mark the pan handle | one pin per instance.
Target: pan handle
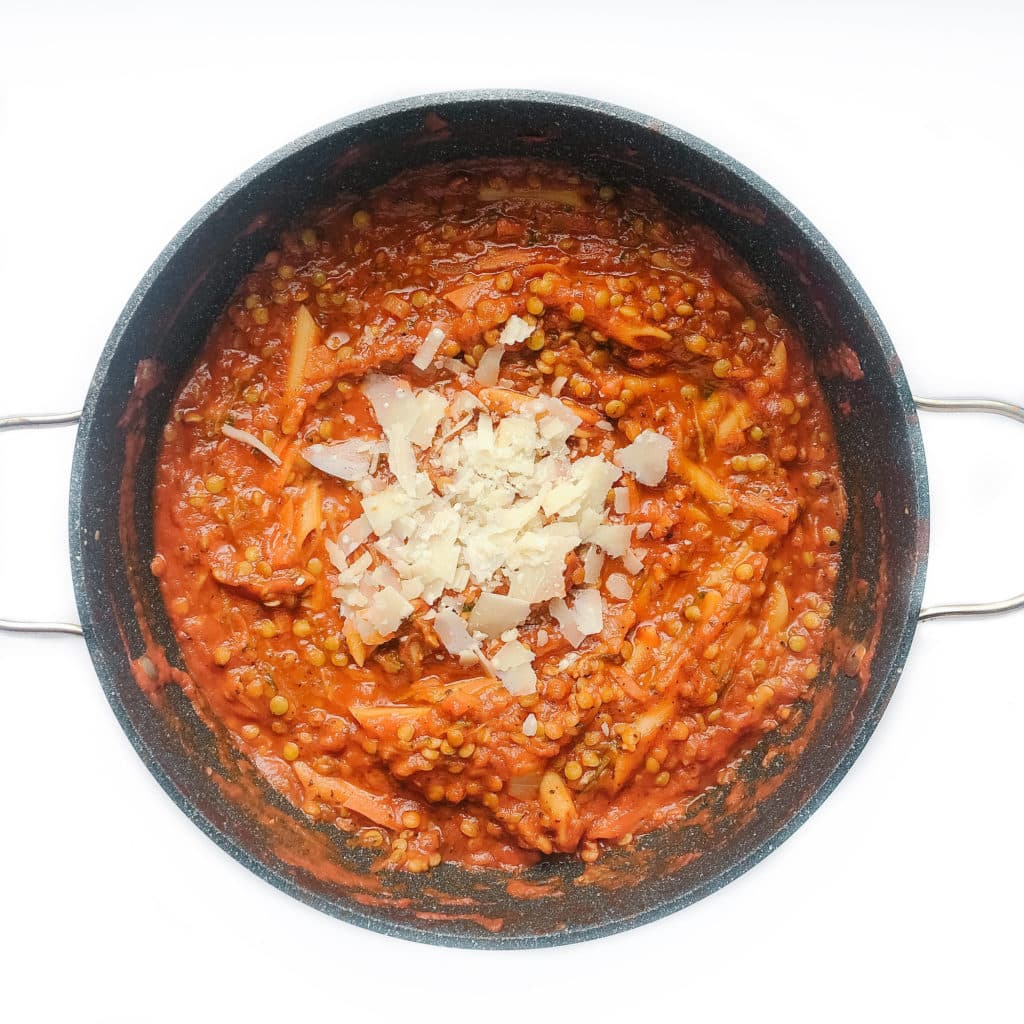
(1010, 411)
(57, 419)
(987, 405)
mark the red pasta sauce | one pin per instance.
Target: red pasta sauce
(647, 341)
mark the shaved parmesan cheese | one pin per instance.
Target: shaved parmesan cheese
(452, 632)
(251, 440)
(632, 562)
(357, 532)
(402, 461)
(642, 530)
(387, 611)
(464, 402)
(621, 495)
(402, 412)
(613, 538)
(428, 348)
(346, 460)
(538, 567)
(516, 329)
(454, 366)
(519, 679)
(489, 365)
(646, 458)
(493, 614)
(530, 725)
(561, 613)
(510, 655)
(514, 665)
(588, 612)
(494, 503)
(593, 562)
(618, 586)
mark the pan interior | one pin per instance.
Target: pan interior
(159, 335)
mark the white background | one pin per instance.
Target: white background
(897, 128)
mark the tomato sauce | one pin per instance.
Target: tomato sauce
(637, 321)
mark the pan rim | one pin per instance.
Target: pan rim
(91, 607)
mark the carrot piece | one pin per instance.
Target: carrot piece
(381, 719)
(396, 306)
(504, 258)
(465, 297)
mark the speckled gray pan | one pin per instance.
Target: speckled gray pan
(789, 773)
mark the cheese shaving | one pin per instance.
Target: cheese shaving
(252, 441)
(466, 500)
(516, 329)
(428, 348)
(646, 458)
(347, 460)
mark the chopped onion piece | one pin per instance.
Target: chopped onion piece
(530, 725)
(252, 441)
(428, 348)
(618, 586)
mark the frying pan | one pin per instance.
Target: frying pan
(786, 776)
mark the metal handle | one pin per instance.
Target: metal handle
(1010, 411)
(1007, 409)
(26, 422)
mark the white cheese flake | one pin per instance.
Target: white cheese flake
(632, 562)
(562, 614)
(452, 632)
(496, 504)
(428, 348)
(593, 562)
(516, 329)
(489, 366)
(589, 612)
(646, 458)
(347, 460)
(493, 614)
(514, 665)
(252, 441)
